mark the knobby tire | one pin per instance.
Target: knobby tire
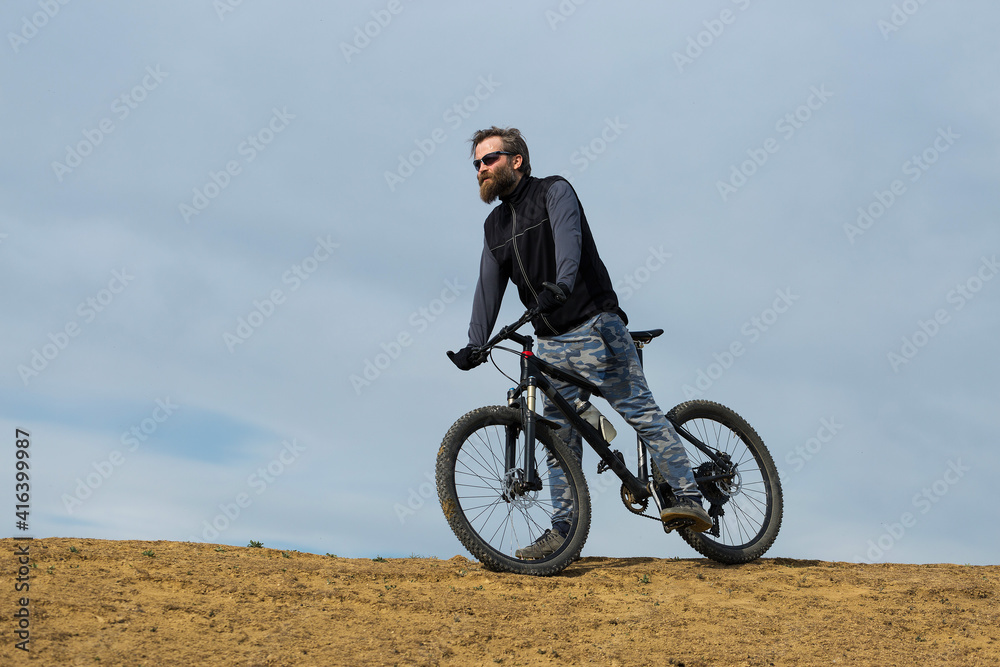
(471, 485)
(754, 505)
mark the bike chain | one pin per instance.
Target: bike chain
(639, 508)
(636, 508)
(644, 505)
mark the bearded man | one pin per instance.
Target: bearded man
(539, 233)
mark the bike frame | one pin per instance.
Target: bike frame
(534, 377)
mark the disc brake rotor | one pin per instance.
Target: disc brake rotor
(720, 490)
(512, 482)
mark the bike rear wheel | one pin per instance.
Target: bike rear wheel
(746, 501)
(492, 516)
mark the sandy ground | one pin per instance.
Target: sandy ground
(96, 602)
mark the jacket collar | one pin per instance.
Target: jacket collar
(518, 193)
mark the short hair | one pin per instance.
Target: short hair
(510, 139)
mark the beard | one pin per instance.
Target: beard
(496, 184)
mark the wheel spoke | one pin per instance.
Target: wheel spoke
(496, 517)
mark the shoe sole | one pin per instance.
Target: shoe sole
(698, 524)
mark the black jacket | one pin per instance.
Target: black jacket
(529, 243)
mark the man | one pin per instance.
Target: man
(539, 233)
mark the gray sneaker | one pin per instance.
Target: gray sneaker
(690, 509)
(546, 545)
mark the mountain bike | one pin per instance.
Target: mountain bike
(496, 465)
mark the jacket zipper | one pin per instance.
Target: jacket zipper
(517, 255)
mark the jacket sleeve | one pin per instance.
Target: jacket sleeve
(564, 216)
(487, 299)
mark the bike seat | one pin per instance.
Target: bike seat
(645, 336)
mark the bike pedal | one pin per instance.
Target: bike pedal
(677, 524)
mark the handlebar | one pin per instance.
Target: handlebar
(479, 354)
(510, 331)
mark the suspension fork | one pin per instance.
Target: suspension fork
(528, 480)
(531, 481)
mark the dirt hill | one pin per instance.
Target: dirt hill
(97, 602)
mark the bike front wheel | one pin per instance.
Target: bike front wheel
(489, 508)
(743, 496)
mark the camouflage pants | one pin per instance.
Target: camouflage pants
(601, 351)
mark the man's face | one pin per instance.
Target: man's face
(499, 178)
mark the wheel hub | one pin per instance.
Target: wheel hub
(722, 484)
(513, 483)
(516, 489)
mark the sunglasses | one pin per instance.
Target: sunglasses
(489, 159)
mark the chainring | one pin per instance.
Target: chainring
(631, 504)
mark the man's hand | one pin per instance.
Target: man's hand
(550, 299)
(467, 358)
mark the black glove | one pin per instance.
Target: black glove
(467, 358)
(548, 300)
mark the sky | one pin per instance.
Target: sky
(237, 239)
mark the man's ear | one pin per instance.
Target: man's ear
(516, 162)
